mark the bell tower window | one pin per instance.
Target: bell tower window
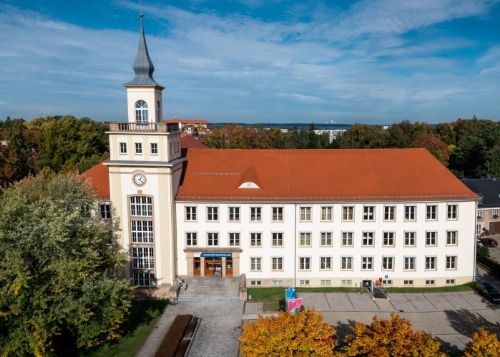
(158, 110)
(141, 112)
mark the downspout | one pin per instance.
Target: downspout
(295, 248)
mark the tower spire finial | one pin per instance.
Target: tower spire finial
(143, 66)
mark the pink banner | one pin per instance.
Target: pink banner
(294, 305)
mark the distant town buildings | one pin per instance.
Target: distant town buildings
(488, 213)
(190, 126)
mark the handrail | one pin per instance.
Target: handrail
(144, 127)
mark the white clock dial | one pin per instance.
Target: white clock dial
(139, 179)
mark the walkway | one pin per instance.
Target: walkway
(216, 301)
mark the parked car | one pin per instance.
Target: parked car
(489, 242)
(489, 291)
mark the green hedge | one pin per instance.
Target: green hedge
(490, 264)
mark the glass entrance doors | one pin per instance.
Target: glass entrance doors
(213, 267)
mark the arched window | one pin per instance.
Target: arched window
(141, 112)
(158, 110)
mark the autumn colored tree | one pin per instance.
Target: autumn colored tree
(392, 337)
(483, 344)
(436, 146)
(302, 334)
(361, 136)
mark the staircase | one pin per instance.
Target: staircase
(210, 289)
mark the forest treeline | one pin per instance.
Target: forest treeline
(469, 147)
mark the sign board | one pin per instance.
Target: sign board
(216, 255)
(290, 294)
(386, 276)
(294, 305)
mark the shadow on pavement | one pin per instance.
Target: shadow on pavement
(466, 322)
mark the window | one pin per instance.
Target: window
(387, 263)
(277, 239)
(480, 213)
(255, 239)
(144, 279)
(410, 239)
(305, 213)
(234, 214)
(430, 239)
(143, 258)
(494, 213)
(190, 213)
(452, 212)
(325, 263)
(304, 282)
(212, 239)
(431, 212)
(123, 148)
(141, 206)
(142, 231)
(325, 282)
(212, 214)
(408, 282)
(305, 239)
(326, 239)
(478, 229)
(451, 262)
(138, 148)
(430, 263)
(410, 213)
(367, 263)
(326, 213)
(450, 281)
(368, 239)
(304, 263)
(347, 239)
(387, 282)
(348, 213)
(191, 239)
(255, 214)
(346, 263)
(388, 239)
(255, 264)
(389, 213)
(255, 283)
(451, 237)
(234, 239)
(277, 282)
(277, 214)
(409, 263)
(154, 148)
(346, 282)
(141, 112)
(368, 213)
(277, 264)
(430, 282)
(105, 208)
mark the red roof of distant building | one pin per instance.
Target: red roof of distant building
(98, 179)
(186, 121)
(188, 142)
(319, 175)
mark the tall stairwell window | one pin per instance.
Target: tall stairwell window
(141, 112)
(142, 240)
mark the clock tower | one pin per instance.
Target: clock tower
(145, 168)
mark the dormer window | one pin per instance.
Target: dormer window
(141, 112)
(249, 184)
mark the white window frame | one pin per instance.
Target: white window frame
(429, 237)
(451, 238)
(388, 263)
(153, 147)
(410, 213)
(368, 236)
(452, 213)
(390, 213)
(367, 263)
(212, 214)
(307, 236)
(305, 214)
(409, 263)
(431, 212)
(348, 213)
(234, 239)
(255, 214)
(430, 263)
(347, 237)
(451, 262)
(304, 263)
(191, 239)
(190, 213)
(277, 263)
(325, 263)
(255, 264)
(212, 238)
(410, 235)
(326, 213)
(326, 239)
(277, 214)
(123, 148)
(368, 213)
(138, 148)
(393, 238)
(346, 263)
(277, 237)
(256, 240)
(233, 214)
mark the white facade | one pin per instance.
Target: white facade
(460, 246)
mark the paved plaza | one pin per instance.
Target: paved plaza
(451, 317)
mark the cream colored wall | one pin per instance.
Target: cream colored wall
(130, 138)
(150, 95)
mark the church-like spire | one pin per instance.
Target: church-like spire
(143, 66)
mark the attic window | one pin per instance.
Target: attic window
(249, 184)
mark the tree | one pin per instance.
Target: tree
(483, 344)
(436, 146)
(393, 337)
(302, 334)
(361, 136)
(58, 264)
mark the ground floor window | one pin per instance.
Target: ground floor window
(430, 282)
(450, 281)
(277, 282)
(255, 283)
(325, 282)
(408, 282)
(346, 282)
(304, 282)
(144, 279)
(387, 282)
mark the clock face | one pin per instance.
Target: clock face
(139, 179)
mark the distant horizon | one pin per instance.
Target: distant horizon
(256, 61)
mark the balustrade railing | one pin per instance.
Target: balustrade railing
(144, 127)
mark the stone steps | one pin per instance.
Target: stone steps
(210, 289)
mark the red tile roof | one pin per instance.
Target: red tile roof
(318, 175)
(98, 179)
(188, 141)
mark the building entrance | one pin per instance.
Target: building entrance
(213, 267)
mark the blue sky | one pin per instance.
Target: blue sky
(256, 60)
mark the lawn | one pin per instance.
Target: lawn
(143, 317)
(271, 297)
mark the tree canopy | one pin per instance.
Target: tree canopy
(58, 263)
(302, 334)
(484, 344)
